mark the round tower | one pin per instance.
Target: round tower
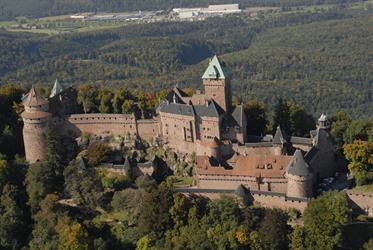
(35, 118)
(299, 177)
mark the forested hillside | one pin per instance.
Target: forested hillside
(322, 60)
(38, 8)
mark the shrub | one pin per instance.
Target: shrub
(98, 152)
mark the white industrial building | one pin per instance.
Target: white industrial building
(223, 8)
(211, 10)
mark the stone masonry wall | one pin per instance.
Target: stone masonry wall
(103, 124)
(148, 128)
(216, 89)
(179, 131)
(265, 200)
(278, 185)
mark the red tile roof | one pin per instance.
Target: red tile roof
(32, 98)
(271, 166)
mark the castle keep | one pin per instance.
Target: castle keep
(205, 123)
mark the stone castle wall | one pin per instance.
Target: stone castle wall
(104, 124)
(270, 150)
(277, 201)
(148, 129)
(179, 131)
(232, 182)
(265, 199)
(107, 124)
(209, 128)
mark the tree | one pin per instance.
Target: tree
(358, 130)
(281, 117)
(292, 118)
(4, 170)
(120, 96)
(83, 185)
(146, 182)
(223, 216)
(71, 235)
(55, 155)
(97, 152)
(339, 124)
(10, 123)
(12, 219)
(324, 219)
(179, 210)
(87, 97)
(44, 235)
(300, 121)
(256, 117)
(297, 238)
(273, 230)
(127, 106)
(155, 217)
(360, 156)
(104, 98)
(144, 243)
(40, 181)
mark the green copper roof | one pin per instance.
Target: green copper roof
(215, 70)
(57, 88)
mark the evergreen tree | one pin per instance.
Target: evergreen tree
(13, 228)
(256, 118)
(281, 117)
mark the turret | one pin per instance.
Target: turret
(279, 141)
(299, 177)
(323, 122)
(216, 80)
(56, 90)
(35, 118)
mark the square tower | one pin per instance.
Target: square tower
(216, 81)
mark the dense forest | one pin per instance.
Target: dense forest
(10, 9)
(321, 60)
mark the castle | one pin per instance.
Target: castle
(205, 123)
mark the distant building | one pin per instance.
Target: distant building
(220, 9)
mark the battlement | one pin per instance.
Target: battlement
(101, 118)
(262, 198)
